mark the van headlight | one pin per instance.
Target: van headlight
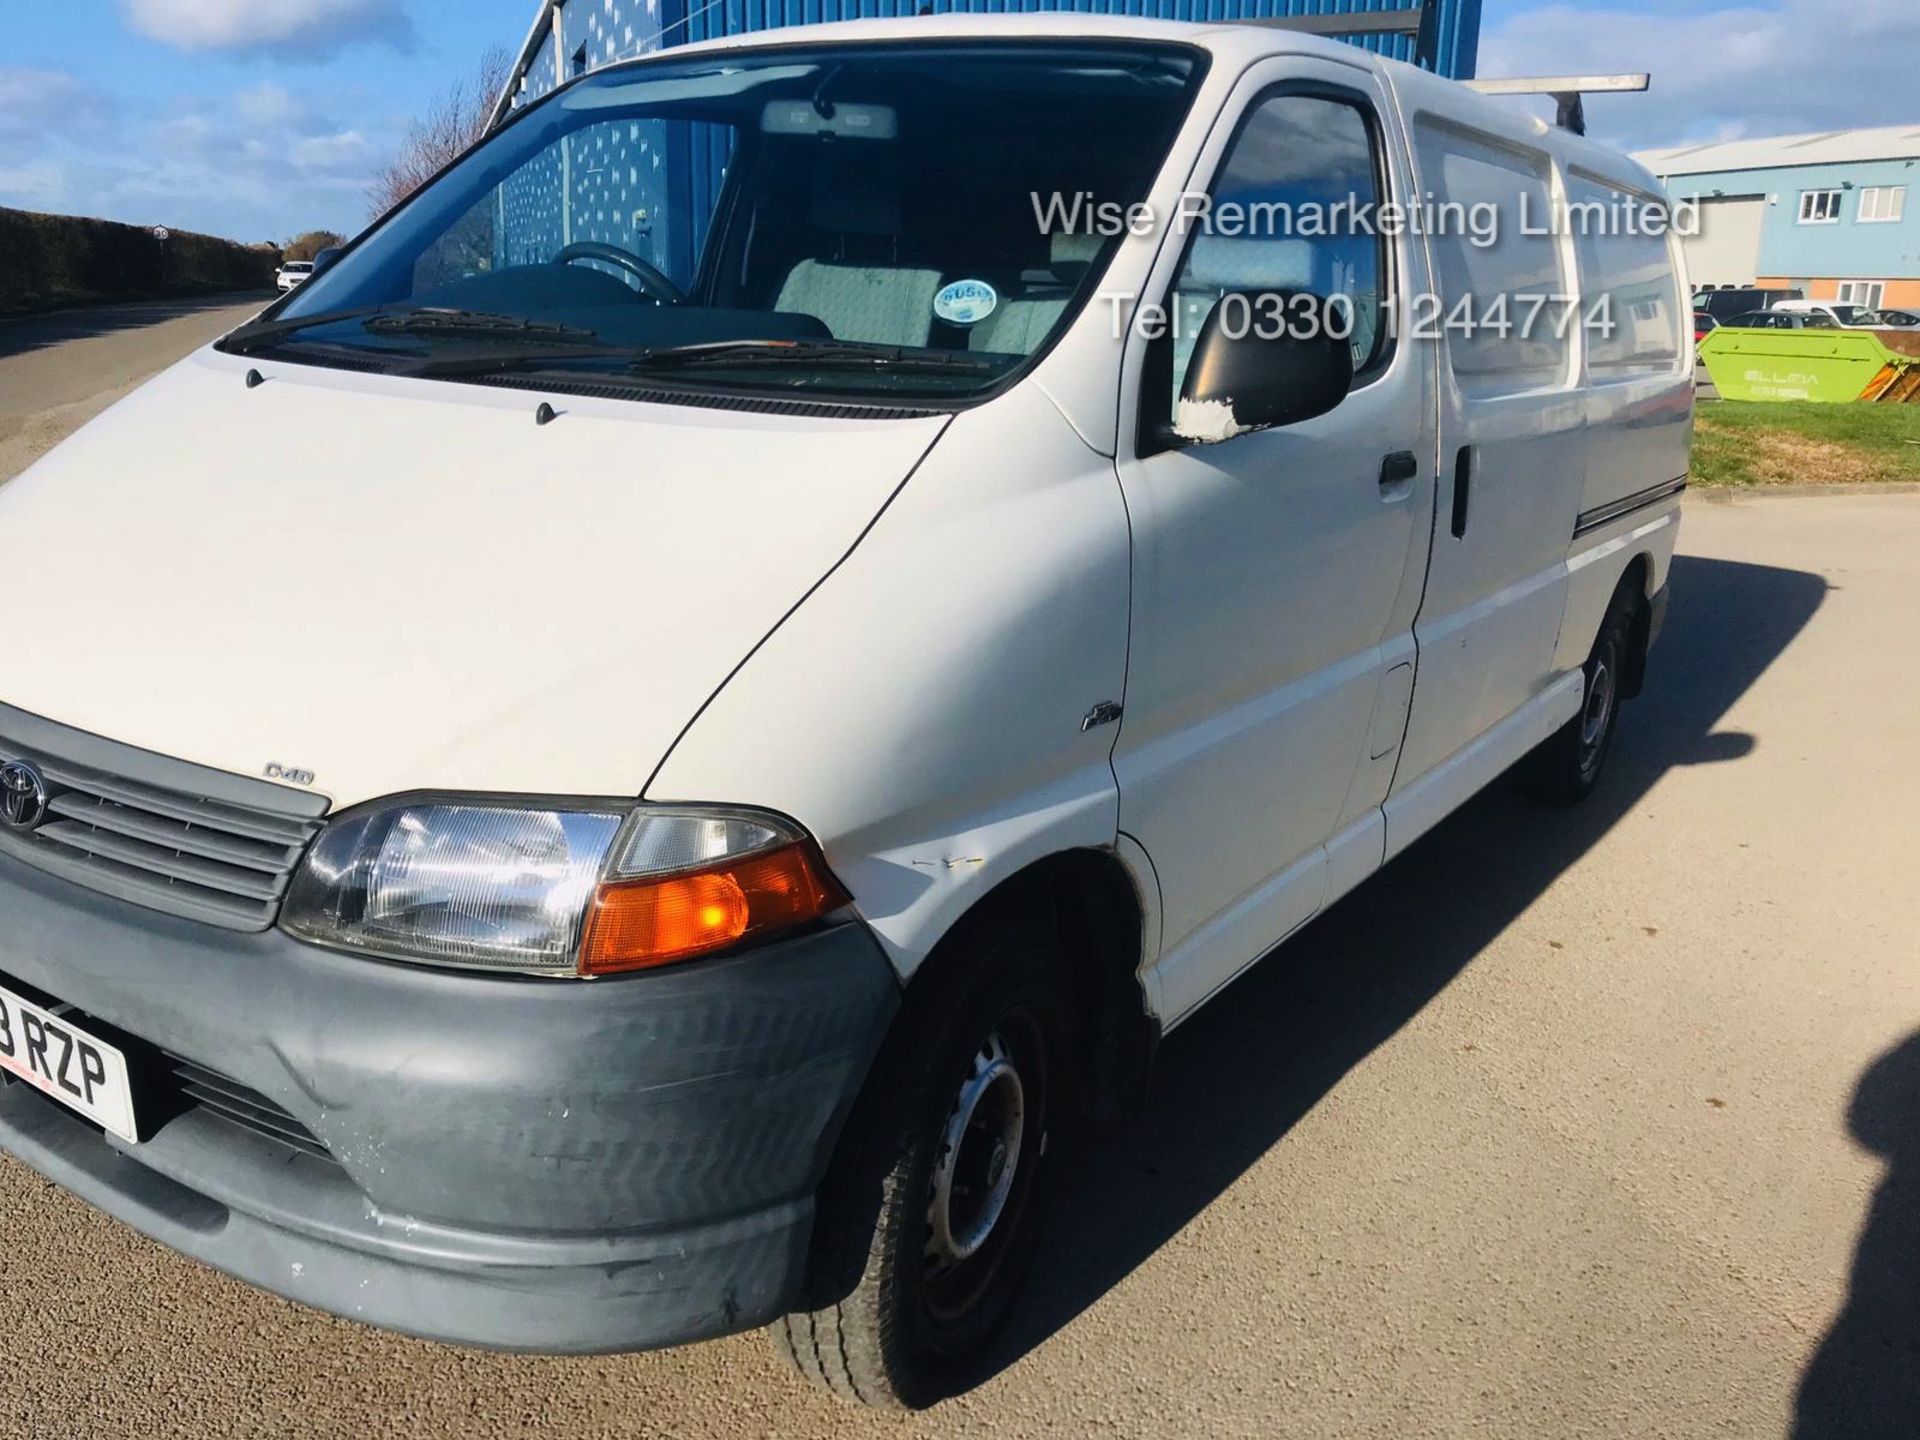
(573, 890)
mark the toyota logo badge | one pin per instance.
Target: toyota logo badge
(23, 796)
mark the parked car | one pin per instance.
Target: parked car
(1889, 320)
(725, 738)
(1783, 320)
(1703, 325)
(1847, 317)
(292, 273)
(1723, 304)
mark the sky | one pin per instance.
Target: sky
(259, 119)
(252, 119)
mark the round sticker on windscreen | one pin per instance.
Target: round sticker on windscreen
(965, 302)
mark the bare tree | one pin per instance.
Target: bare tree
(455, 120)
(305, 247)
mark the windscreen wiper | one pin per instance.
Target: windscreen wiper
(838, 353)
(260, 333)
(440, 320)
(420, 320)
(718, 354)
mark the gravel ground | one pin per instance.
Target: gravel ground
(1598, 1122)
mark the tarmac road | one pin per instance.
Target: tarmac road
(57, 371)
(1600, 1122)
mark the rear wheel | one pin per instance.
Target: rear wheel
(926, 1230)
(1565, 769)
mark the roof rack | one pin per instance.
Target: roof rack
(1420, 20)
(1568, 92)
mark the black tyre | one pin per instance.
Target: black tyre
(928, 1223)
(1564, 770)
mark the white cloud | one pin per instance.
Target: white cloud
(24, 91)
(293, 28)
(192, 133)
(266, 104)
(1749, 69)
(31, 187)
(348, 153)
(264, 161)
(32, 102)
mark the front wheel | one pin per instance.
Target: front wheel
(925, 1232)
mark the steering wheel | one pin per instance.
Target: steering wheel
(653, 281)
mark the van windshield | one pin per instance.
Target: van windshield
(855, 219)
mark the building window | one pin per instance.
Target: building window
(1882, 204)
(1867, 294)
(1819, 207)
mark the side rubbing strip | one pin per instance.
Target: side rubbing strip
(1626, 505)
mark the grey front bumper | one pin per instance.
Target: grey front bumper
(515, 1163)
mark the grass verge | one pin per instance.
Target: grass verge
(1739, 446)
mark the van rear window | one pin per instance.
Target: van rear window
(1631, 275)
(1490, 265)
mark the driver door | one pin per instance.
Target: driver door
(1276, 575)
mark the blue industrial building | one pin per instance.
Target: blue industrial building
(570, 37)
(1827, 214)
(622, 176)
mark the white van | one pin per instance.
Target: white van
(616, 768)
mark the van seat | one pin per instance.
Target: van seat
(883, 304)
(1019, 325)
(859, 290)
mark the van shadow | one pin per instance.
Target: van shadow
(22, 334)
(1232, 1081)
(1864, 1381)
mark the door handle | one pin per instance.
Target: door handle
(1398, 470)
(1462, 489)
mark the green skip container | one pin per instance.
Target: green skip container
(1825, 366)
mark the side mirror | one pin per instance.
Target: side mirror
(323, 258)
(1256, 365)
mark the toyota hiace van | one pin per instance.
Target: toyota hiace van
(621, 764)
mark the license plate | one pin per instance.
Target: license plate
(61, 1060)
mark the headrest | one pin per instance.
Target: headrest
(1074, 248)
(1069, 257)
(849, 204)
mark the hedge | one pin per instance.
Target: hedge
(52, 260)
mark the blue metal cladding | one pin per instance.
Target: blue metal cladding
(621, 178)
(597, 32)
(1454, 25)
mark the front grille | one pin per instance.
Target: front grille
(247, 1108)
(161, 833)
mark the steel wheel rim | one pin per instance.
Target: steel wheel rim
(979, 1157)
(1595, 718)
(982, 1183)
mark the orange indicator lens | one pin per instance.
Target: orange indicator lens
(637, 924)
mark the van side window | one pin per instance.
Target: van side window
(1294, 208)
(1636, 327)
(1505, 305)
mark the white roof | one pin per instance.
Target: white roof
(1830, 147)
